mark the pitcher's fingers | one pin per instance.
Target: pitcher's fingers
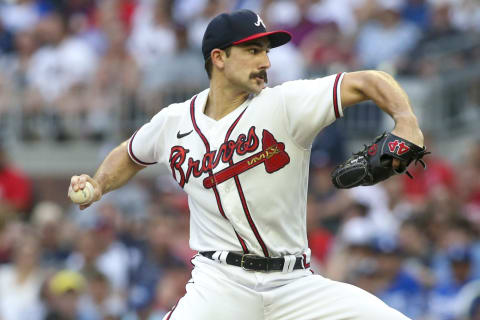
(97, 194)
(88, 178)
(74, 182)
(82, 180)
(396, 164)
(84, 206)
(399, 166)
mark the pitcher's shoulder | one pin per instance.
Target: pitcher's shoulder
(182, 109)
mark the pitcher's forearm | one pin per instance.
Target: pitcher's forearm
(392, 99)
(116, 169)
(379, 87)
(387, 94)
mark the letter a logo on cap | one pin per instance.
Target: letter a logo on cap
(260, 22)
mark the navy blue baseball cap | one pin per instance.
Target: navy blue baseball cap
(237, 27)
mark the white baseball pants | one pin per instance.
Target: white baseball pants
(223, 292)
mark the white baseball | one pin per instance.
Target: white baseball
(82, 196)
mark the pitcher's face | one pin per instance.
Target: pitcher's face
(247, 65)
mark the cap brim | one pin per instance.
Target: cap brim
(277, 38)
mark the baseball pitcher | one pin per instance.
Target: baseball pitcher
(241, 152)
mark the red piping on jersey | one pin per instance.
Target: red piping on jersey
(173, 309)
(131, 152)
(210, 173)
(335, 98)
(305, 264)
(242, 195)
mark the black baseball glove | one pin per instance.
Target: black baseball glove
(374, 163)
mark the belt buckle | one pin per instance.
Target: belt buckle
(253, 257)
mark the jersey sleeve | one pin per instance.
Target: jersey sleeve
(311, 105)
(144, 147)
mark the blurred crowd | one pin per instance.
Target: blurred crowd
(89, 69)
(82, 69)
(413, 243)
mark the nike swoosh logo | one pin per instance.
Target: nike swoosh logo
(181, 135)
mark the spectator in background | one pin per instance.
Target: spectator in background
(386, 206)
(474, 312)
(284, 14)
(198, 24)
(97, 249)
(48, 221)
(170, 289)
(170, 196)
(115, 84)
(286, 55)
(114, 260)
(173, 76)
(65, 289)
(100, 301)
(20, 281)
(280, 14)
(6, 240)
(17, 69)
(330, 203)
(73, 7)
(15, 187)
(339, 228)
(5, 96)
(455, 233)
(351, 254)
(347, 15)
(186, 10)
(443, 303)
(25, 47)
(435, 185)
(326, 48)
(397, 286)
(365, 275)
(108, 14)
(153, 34)
(82, 29)
(418, 12)
(468, 302)
(302, 24)
(387, 38)
(439, 36)
(320, 239)
(6, 40)
(6, 50)
(469, 184)
(466, 14)
(156, 257)
(85, 252)
(417, 249)
(20, 15)
(59, 72)
(326, 203)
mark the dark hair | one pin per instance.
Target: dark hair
(209, 64)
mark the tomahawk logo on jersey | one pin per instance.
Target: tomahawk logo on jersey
(234, 168)
(272, 155)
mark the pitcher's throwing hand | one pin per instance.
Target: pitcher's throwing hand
(83, 190)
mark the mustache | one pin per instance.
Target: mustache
(262, 74)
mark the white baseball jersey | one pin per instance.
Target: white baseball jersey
(246, 175)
